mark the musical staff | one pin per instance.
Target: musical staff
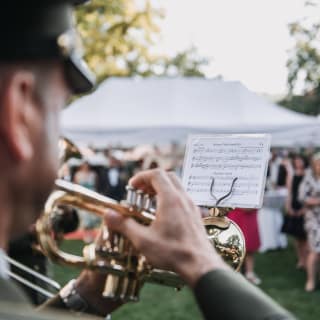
(224, 158)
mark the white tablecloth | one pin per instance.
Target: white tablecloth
(270, 219)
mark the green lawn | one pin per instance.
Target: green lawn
(277, 270)
(285, 284)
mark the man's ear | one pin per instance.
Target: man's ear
(17, 109)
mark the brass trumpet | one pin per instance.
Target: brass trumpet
(127, 270)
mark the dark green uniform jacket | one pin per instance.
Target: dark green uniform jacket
(226, 295)
(14, 305)
(221, 295)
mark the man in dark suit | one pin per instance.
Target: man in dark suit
(40, 67)
(111, 181)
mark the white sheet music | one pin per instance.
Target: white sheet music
(213, 163)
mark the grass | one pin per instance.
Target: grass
(284, 283)
(277, 270)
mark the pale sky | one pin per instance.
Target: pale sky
(247, 40)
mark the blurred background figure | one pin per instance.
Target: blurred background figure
(284, 171)
(294, 219)
(309, 194)
(87, 178)
(246, 219)
(270, 218)
(151, 162)
(273, 170)
(113, 178)
(65, 173)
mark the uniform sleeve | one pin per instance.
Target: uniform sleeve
(224, 294)
(56, 304)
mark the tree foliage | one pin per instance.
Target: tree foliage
(308, 103)
(304, 62)
(187, 63)
(119, 36)
(304, 65)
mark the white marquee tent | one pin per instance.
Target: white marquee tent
(131, 111)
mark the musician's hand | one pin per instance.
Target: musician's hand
(176, 240)
(90, 285)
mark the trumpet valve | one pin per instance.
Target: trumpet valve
(131, 196)
(139, 200)
(125, 288)
(147, 202)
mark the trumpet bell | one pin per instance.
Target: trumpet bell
(229, 243)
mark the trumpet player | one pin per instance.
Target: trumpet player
(40, 67)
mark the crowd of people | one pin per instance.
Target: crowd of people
(108, 171)
(294, 178)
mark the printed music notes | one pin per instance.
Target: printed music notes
(214, 165)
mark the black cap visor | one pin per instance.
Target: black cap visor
(78, 75)
(45, 30)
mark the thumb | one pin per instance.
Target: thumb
(138, 234)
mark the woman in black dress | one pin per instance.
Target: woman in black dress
(294, 220)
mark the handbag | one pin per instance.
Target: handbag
(294, 226)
